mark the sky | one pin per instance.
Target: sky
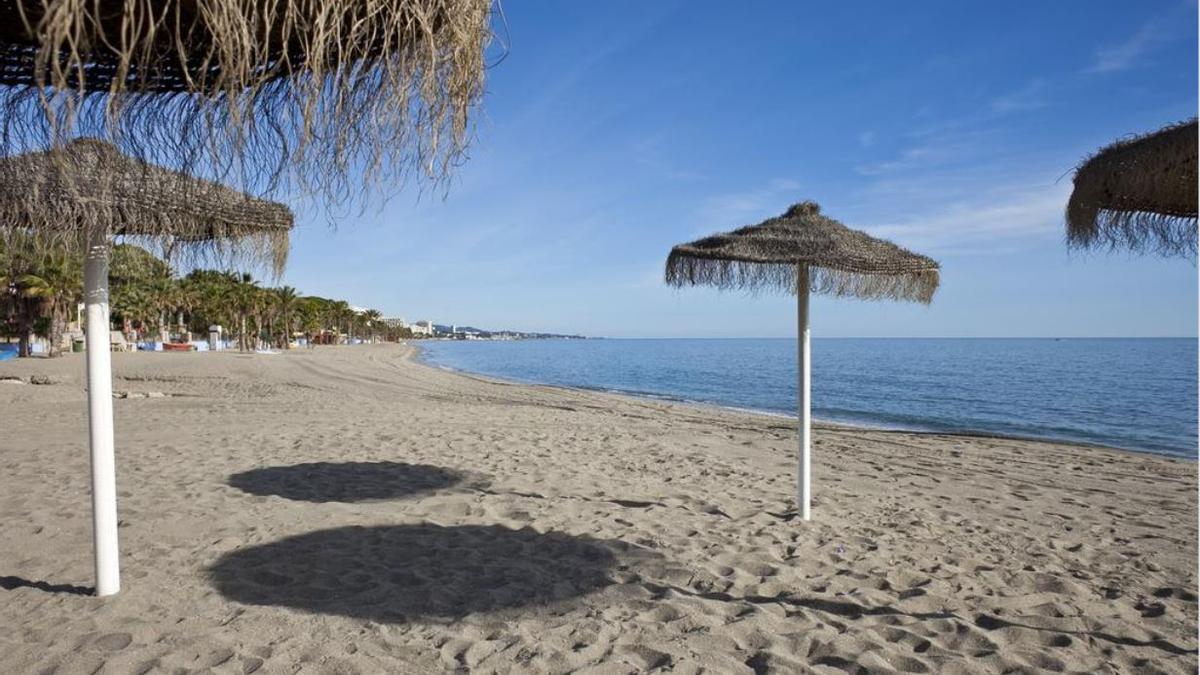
(612, 131)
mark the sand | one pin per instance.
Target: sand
(348, 510)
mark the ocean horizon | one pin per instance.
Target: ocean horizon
(1136, 394)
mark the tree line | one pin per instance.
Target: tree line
(40, 287)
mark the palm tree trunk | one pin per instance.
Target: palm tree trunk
(24, 329)
(55, 331)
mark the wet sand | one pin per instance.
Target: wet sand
(347, 509)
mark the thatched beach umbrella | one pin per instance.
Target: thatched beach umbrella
(82, 194)
(800, 252)
(1140, 192)
(313, 94)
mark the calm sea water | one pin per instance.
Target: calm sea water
(1137, 394)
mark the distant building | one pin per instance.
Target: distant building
(422, 328)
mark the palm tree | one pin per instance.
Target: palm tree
(188, 297)
(245, 298)
(310, 312)
(340, 314)
(210, 299)
(9, 302)
(372, 317)
(213, 301)
(286, 302)
(135, 305)
(264, 314)
(54, 284)
(16, 259)
(164, 296)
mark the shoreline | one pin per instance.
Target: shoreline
(420, 359)
(416, 358)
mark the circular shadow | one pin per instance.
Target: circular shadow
(345, 481)
(395, 573)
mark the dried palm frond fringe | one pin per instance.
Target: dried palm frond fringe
(61, 194)
(1139, 193)
(840, 261)
(325, 97)
(683, 270)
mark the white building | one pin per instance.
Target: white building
(422, 328)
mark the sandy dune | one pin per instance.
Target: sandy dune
(346, 510)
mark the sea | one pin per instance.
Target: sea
(1134, 394)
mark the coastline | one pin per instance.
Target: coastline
(419, 357)
(350, 509)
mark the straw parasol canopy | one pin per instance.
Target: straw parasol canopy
(840, 261)
(1140, 193)
(322, 95)
(88, 184)
(803, 252)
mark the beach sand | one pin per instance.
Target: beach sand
(348, 510)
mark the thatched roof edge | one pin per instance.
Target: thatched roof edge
(684, 269)
(1139, 193)
(62, 193)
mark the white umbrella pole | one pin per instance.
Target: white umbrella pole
(100, 414)
(803, 473)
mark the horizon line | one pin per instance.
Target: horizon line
(900, 337)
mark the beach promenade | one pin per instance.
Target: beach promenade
(349, 510)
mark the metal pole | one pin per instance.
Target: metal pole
(100, 414)
(803, 470)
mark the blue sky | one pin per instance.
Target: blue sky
(612, 131)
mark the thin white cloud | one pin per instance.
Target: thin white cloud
(1028, 97)
(1001, 219)
(648, 153)
(732, 210)
(1126, 54)
(907, 160)
(934, 150)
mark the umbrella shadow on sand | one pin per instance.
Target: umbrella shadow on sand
(346, 481)
(398, 573)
